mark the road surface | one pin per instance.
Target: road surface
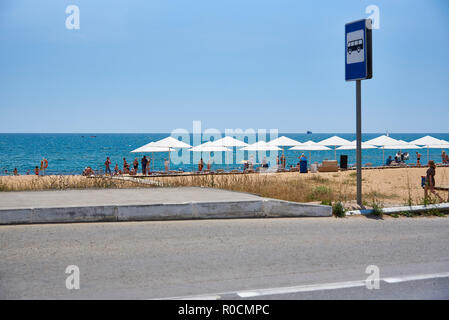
(302, 258)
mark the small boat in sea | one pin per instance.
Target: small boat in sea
(309, 132)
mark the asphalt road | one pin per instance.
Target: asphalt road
(302, 258)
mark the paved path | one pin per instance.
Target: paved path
(146, 260)
(64, 198)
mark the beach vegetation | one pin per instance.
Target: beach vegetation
(338, 210)
(62, 182)
(377, 210)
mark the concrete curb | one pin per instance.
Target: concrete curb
(442, 206)
(165, 211)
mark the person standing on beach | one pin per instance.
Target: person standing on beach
(116, 170)
(136, 165)
(200, 165)
(418, 158)
(166, 162)
(430, 181)
(36, 171)
(107, 165)
(42, 165)
(283, 161)
(125, 166)
(45, 165)
(144, 163)
(16, 173)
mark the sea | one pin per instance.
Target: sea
(71, 153)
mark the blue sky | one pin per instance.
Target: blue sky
(156, 65)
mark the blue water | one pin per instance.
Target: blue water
(71, 153)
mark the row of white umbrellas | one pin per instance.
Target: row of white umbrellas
(223, 144)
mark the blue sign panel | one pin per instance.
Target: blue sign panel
(358, 50)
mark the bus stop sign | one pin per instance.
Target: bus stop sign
(358, 50)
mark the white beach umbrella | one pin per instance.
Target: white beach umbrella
(353, 146)
(260, 146)
(284, 142)
(383, 141)
(171, 143)
(310, 146)
(149, 147)
(206, 147)
(429, 142)
(229, 142)
(334, 141)
(309, 143)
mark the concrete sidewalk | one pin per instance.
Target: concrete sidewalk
(144, 204)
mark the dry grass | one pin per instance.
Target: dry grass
(33, 183)
(278, 186)
(380, 186)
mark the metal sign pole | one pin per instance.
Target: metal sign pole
(359, 66)
(359, 140)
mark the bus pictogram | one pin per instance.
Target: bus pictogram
(355, 45)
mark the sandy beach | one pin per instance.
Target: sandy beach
(388, 187)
